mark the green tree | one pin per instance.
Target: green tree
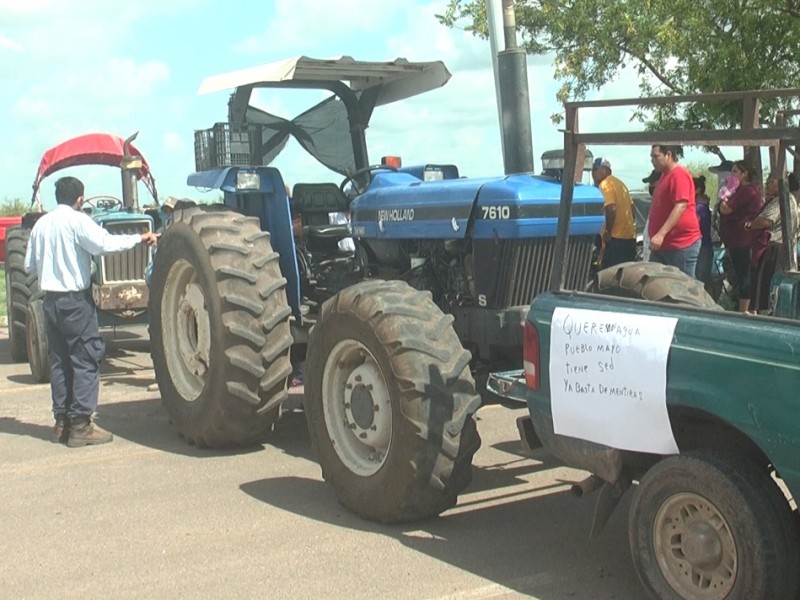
(15, 207)
(677, 46)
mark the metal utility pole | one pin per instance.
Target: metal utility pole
(492, 9)
(512, 77)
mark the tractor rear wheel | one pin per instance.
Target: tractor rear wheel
(36, 338)
(20, 287)
(389, 400)
(652, 281)
(219, 328)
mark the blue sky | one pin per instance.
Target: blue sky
(68, 68)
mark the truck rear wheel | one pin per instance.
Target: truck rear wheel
(219, 328)
(652, 281)
(20, 287)
(36, 340)
(712, 526)
(389, 400)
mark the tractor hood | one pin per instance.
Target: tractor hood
(400, 206)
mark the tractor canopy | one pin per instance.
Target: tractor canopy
(357, 87)
(92, 149)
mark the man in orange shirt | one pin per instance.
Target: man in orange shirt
(619, 230)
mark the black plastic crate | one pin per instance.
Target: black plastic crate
(228, 145)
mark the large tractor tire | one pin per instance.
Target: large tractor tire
(713, 526)
(219, 328)
(20, 287)
(36, 339)
(652, 281)
(389, 400)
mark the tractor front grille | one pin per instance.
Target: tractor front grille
(128, 266)
(527, 265)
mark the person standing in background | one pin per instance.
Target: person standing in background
(736, 213)
(674, 231)
(619, 231)
(705, 256)
(651, 181)
(767, 251)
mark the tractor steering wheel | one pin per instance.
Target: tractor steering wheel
(103, 202)
(353, 177)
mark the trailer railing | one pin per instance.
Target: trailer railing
(780, 137)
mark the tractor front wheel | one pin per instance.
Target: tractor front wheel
(389, 400)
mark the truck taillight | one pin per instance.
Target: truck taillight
(530, 355)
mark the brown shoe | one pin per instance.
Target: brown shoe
(85, 433)
(60, 430)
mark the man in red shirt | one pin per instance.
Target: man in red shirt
(674, 230)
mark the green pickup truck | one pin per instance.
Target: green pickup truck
(643, 382)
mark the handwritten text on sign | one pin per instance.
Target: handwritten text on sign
(608, 378)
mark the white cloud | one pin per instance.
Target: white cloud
(6, 43)
(173, 142)
(303, 26)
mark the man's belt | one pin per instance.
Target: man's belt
(78, 295)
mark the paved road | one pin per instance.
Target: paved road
(151, 517)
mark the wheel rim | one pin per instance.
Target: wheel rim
(186, 329)
(357, 407)
(695, 548)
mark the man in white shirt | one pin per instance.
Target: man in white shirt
(60, 251)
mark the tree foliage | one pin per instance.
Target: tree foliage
(13, 207)
(677, 47)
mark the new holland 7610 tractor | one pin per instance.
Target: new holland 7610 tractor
(394, 312)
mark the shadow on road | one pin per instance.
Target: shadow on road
(532, 545)
(12, 426)
(145, 422)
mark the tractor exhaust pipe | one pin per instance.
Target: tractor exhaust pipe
(130, 166)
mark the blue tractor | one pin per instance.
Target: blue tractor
(395, 312)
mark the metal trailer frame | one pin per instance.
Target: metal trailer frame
(778, 137)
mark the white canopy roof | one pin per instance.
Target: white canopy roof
(398, 79)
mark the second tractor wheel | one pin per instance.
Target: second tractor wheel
(652, 281)
(36, 339)
(20, 287)
(389, 400)
(219, 328)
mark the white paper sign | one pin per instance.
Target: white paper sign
(608, 378)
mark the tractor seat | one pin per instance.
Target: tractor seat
(314, 202)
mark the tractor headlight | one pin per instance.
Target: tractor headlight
(247, 180)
